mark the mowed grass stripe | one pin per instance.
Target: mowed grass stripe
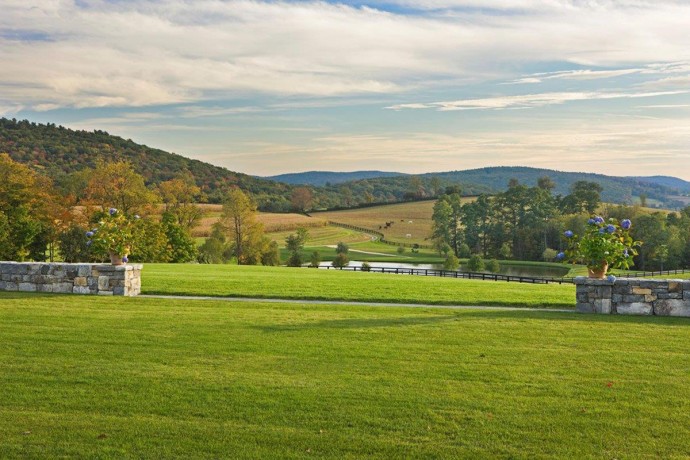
(98, 378)
(304, 283)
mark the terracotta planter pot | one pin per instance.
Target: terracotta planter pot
(598, 273)
(116, 259)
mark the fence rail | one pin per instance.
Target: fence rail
(455, 274)
(487, 276)
(679, 271)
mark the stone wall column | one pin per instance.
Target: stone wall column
(100, 279)
(633, 296)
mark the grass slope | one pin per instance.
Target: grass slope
(412, 219)
(304, 283)
(149, 378)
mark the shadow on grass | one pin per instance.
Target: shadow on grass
(11, 295)
(574, 317)
(359, 323)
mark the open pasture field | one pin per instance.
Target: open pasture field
(322, 236)
(273, 222)
(93, 377)
(412, 219)
(319, 284)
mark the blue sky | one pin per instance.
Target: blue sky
(272, 87)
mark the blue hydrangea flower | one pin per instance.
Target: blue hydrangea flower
(625, 224)
(591, 222)
(611, 278)
(560, 256)
(568, 233)
(125, 259)
(598, 220)
(602, 230)
(610, 228)
(89, 234)
(112, 211)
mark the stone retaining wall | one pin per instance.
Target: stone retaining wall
(633, 296)
(71, 278)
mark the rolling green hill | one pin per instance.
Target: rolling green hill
(621, 190)
(59, 152)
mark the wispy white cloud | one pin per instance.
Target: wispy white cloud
(98, 53)
(664, 106)
(528, 100)
(617, 147)
(585, 74)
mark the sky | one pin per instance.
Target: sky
(270, 87)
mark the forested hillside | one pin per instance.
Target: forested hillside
(59, 153)
(623, 190)
(659, 191)
(63, 154)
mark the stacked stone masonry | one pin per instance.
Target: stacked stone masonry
(71, 278)
(633, 296)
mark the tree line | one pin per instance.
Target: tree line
(528, 223)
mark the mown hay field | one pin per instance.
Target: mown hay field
(273, 222)
(410, 222)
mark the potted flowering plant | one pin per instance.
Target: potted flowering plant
(604, 245)
(113, 236)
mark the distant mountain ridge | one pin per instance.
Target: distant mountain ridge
(623, 190)
(321, 178)
(668, 181)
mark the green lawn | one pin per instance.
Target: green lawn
(93, 377)
(305, 283)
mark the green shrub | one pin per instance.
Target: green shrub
(341, 260)
(295, 259)
(549, 254)
(451, 262)
(270, 255)
(315, 260)
(342, 248)
(73, 246)
(493, 266)
(215, 249)
(475, 264)
(182, 247)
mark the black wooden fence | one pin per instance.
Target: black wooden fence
(679, 271)
(455, 274)
(487, 276)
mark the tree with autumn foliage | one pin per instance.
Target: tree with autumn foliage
(250, 245)
(31, 214)
(302, 199)
(180, 197)
(117, 185)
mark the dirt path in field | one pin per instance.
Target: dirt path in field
(354, 303)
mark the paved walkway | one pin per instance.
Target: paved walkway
(353, 303)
